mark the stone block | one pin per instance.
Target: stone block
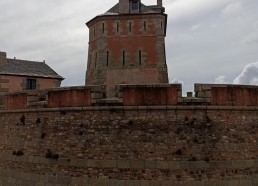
(82, 163)
(43, 179)
(93, 163)
(36, 159)
(109, 163)
(149, 164)
(221, 164)
(44, 160)
(168, 183)
(201, 164)
(131, 183)
(73, 162)
(124, 164)
(155, 183)
(173, 165)
(255, 180)
(211, 183)
(233, 183)
(198, 183)
(64, 180)
(76, 181)
(161, 165)
(183, 183)
(245, 183)
(137, 164)
(238, 164)
(53, 179)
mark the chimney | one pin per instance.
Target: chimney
(2, 59)
(124, 6)
(159, 3)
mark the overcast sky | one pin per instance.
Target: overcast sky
(208, 41)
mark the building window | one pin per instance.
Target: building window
(89, 61)
(140, 57)
(96, 59)
(107, 57)
(103, 28)
(130, 26)
(144, 26)
(135, 6)
(123, 58)
(161, 25)
(31, 84)
(117, 27)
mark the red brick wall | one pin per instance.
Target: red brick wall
(236, 96)
(15, 101)
(127, 68)
(69, 98)
(150, 96)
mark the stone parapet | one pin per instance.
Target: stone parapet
(157, 94)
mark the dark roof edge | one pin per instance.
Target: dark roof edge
(27, 75)
(129, 14)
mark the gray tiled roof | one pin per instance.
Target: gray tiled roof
(28, 68)
(143, 9)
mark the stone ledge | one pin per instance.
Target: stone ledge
(133, 164)
(125, 108)
(8, 177)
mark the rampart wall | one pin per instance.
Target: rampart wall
(184, 142)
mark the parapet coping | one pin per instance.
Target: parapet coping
(135, 108)
(41, 179)
(132, 163)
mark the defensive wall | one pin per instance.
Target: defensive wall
(147, 135)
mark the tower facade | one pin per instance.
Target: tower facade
(127, 46)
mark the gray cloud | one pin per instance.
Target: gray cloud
(221, 80)
(249, 75)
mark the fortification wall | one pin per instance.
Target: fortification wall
(130, 145)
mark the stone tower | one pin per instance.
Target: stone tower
(127, 46)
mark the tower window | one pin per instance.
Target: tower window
(140, 57)
(96, 59)
(117, 27)
(107, 57)
(123, 58)
(103, 27)
(130, 26)
(161, 25)
(31, 84)
(144, 26)
(89, 61)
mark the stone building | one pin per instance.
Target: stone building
(127, 45)
(19, 75)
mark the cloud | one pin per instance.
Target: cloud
(195, 27)
(232, 8)
(176, 81)
(221, 80)
(249, 75)
(252, 37)
(192, 8)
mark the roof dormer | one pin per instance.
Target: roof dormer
(129, 6)
(135, 6)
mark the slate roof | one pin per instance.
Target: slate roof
(28, 68)
(143, 9)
